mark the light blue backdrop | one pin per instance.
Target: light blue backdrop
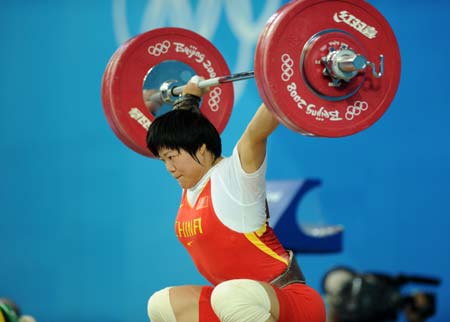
(86, 228)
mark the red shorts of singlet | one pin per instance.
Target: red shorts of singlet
(298, 303)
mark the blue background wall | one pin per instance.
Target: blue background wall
(86, 224)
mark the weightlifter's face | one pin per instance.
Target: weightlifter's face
(182, 167)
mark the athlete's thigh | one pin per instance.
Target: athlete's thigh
(185, 302)
(302, 302)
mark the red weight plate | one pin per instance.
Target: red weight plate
(261, 76)
(259, 70)
(303, 32)
(140, 54)
(107, 104)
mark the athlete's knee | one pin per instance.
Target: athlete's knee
(159, 308)
(241, 300)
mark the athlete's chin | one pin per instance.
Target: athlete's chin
(184, 185)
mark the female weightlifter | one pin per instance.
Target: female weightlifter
(222, 223)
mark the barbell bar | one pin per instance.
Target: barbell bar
(340, 65)
(169, 91)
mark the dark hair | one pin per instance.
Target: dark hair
(183, 129)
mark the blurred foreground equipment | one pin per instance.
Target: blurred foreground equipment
(10, 312)
(375, 297)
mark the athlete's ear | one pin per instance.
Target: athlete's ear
(202, 149)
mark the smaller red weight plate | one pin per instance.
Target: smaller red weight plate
(312, 67)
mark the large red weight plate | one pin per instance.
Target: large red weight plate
(291, 72)
(261, 72)
(123, 79)
(107, 104)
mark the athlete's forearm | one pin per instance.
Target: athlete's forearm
(252, 145)
(262, 124)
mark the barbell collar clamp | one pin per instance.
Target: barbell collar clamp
(352, 63)
(374, 68)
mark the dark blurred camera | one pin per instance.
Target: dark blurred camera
(375, 297)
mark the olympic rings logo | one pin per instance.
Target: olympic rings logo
(214, 99)
(355, 109)
(286, 67)
(159, 48)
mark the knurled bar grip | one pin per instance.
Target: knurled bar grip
(178, 90)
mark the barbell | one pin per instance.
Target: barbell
(326, 68)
